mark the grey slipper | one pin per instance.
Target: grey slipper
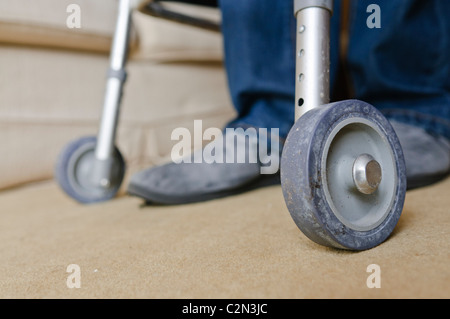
(189, 182)
(427, 157)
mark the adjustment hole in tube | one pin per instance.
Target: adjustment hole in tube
(301, 102)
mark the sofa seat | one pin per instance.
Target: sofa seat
(53, 82)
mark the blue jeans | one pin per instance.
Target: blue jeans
(402, 68)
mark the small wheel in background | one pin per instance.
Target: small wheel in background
(74, 170)
(343, 175)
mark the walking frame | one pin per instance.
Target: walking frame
(345, 191)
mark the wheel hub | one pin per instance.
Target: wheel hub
(366, 174)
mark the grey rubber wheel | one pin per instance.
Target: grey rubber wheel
(343, 175)
(74, 168)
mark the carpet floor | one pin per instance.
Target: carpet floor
(246, 246)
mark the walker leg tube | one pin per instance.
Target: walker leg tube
(114, 85)
(313, 54)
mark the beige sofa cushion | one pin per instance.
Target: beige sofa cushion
(43, 23)
(163, 40)
(50, 97)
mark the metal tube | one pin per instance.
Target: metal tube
(121, 36)
(114, 85)
(312, 87)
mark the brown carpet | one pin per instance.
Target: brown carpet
(245, 246)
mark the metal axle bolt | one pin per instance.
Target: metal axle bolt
(366, 174)
(105, 183)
